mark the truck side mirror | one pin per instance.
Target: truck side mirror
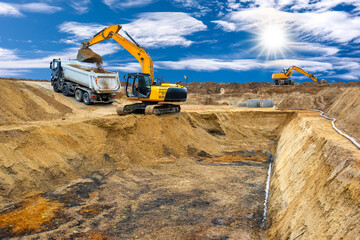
(124, 76)
(51, 65)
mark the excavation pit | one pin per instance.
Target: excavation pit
(177, 177)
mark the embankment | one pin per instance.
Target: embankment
(314, 191)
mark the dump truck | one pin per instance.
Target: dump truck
(88, 84)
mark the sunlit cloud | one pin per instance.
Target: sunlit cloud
(152, 30)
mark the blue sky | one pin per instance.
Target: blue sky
(222, 41)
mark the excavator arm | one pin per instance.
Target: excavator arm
(310, 75)
(131, 46)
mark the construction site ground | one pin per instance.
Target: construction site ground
(71, 171)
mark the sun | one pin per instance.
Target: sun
(273, 40)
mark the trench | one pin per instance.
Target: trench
(184, 176)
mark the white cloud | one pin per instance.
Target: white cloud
(214, 64)
(37, 8)
(79, 31)
(12, 72)
(106, 48)
(155, 29)
(10, 60)
(324, 5)
(131, 67)
(297, 5)
(7, 54)
(8, 10)
(324, 67)
(314, 48)
(11, 9)
(201, 7)
(120, 4)
(226, 26)
(81, 6)
(334, 26)
(163, 29)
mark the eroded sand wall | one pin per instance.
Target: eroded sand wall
(315, 183)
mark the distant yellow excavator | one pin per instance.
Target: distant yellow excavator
(139, 86)
(284, 78)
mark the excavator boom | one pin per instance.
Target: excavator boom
(132, 47)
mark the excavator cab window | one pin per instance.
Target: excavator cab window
(138, 86)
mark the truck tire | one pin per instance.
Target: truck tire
(56, 87)
(65, 89)
(86, 98)
(79, 95)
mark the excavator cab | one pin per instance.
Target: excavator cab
(138, 85)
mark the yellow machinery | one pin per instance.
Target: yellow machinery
(284, 78)
(139, 86)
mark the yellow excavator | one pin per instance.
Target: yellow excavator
(139, 86)
(284, 78)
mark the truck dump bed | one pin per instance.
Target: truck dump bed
(96, 79)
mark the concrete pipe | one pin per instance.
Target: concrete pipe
(242, 104)
(267, 103)
(253, 103)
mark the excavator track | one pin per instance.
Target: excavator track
(148, 109)
(160, 109)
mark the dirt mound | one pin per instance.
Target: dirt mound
(21, 102)
(97, 70)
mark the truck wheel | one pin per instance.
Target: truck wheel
(56, 87)
(79, 95)
(86, 98)
(65, 89)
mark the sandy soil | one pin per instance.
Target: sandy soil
(339, 100)
(83, 172)
(315, 186)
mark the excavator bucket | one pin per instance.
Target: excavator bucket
(88, 55)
